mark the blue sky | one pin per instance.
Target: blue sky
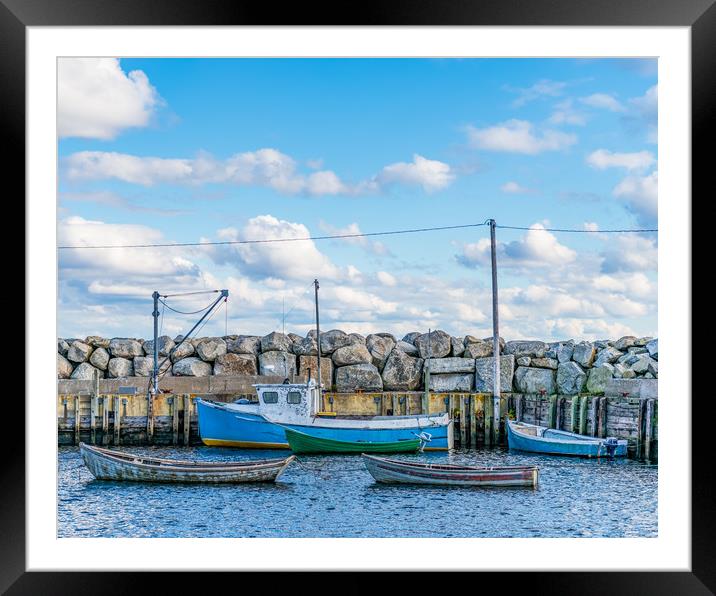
(177, 150)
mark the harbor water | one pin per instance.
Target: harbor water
(334, 496)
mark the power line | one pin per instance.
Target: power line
(359, 235)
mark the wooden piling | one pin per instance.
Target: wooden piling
(640, 429)
(105, 420)
(150, 418)
(93, 411)
(77, 420)
(473, 421)
(593, 407)
(463, 422)
(648, 426)
(187, 419)
(117, 420)
(552, 413)
(583, 415)
(574, 413)
(560, 413)
(175, 419)
(518, 408)
(488, 420)
(602, 426)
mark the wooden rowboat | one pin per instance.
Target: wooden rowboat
(403, 472)
(304, 443)
(106, 464)
(539, 439)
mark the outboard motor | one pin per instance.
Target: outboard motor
(611, 444)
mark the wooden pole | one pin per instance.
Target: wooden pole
(495, 339)
(463, 422)
(105, 420)
(648, 428)
(187, 419)
(77, 419)
(473, 421)
(175, 420)
(117, 420)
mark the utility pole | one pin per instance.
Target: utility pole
(318, 342)
(495, 339)
(426, 375)
(155, 370)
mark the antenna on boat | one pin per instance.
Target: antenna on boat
(318, 342)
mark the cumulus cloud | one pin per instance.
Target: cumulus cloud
(96, 99)
(640, 193)
(629, 253)
(537, 248)
(512, 187)
(353, 232)
(542, 88)
(430, 174)
(386, 278)
(518, 136)
(602, 159)
(564, 112)
(265, 167)
(603, 101)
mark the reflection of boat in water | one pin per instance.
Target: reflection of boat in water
(539, 439)
(394, 471)
(305, 443)
(297, 406)
(107, 464)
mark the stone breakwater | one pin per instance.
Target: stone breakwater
(352, 362)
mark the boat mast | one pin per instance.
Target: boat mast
(318, 343)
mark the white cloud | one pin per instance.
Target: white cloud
(97, 99)
(386, 278)
(512, 187)
(542, 88)
(565, 113)
(602, 159)
(537, 248)
(288, 260)
(432, 175)
(641, 196)
(353, 232)
(644, 112)
(591, 226)
(630, 252)
(518, 136)
(603, 101)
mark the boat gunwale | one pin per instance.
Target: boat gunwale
(577, 439)
(338, 443)
(448, 467)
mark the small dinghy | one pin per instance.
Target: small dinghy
(301, 442)
(539, 439)
(404, 472)
(106, 464)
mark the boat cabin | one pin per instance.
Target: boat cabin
(288, 401)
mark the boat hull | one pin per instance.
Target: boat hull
(397, 472)
(557, 442)
(219, 425)
(105, 464)
(305, 443)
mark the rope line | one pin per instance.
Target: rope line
(181, 312)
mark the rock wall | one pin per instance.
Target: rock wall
(351, 362)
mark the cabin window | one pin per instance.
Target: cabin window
(294, 397)
(270, 397)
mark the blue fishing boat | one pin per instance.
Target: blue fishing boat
(296, 406)
(539, 439)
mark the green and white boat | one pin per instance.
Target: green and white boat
(305, 443)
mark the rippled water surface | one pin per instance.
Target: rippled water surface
(334, 496)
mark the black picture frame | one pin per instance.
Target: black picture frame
(699, 15)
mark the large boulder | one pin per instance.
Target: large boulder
(144, 365)
(458, 347)
(85, 372)
(402, 372)
(335, 339)
(281, 364)
(534, 380)
(544, 363)
(191, 367)
(379, 347)
(532, 349)
(435, 344)
(450, 365)
(453, 382)
(642, 364)
(97, 342)
(123, 347)
(183, 351)
(211, 348)
(642, 341)
(478, 349)
(353, 354)
(311, 362)
(524, 361)
(571, 378)
(120, 368)
(164, 345)
(584, 353)
(276, 342)
(79, 351)
(244, 344)
(607, 356)
(294, 337)
(230, 365)
(561, 350)
(653, 348)
(484, 375)
(407, 348)
(100, 358)
(599, 377)
(308, 346)
(355, 377)
(410, 337)
(64, 367)
(62, 346)
(624, 342)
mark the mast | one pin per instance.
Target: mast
(495, 339)
(155, 369)
(318, 343)
(426, 371)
